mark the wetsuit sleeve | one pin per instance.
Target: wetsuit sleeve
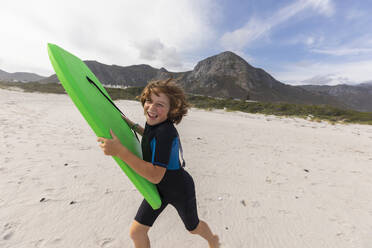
(162, 148)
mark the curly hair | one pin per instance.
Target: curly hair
(178, 104)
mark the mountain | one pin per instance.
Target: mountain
(20, 76)
(135, 75)
(366, 84)
(223, 75)
(357, 97)
(228, 75)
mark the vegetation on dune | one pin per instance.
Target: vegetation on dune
(130, 93)
(314, 112)
(34, 87)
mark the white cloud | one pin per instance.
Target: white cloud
(356, 14)
(114, 32)
(328, 79)
(324, 7)
(155, 50)
(150, 49)
(342, 51)
(294, 73)
(257, 28)
(356, 46)
(311, 41)
(251, 31)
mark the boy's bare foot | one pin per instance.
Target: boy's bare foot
(215, 242)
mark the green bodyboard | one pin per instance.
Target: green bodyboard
(99, 112)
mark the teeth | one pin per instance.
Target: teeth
(152, 115)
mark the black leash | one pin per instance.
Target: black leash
(113, 104)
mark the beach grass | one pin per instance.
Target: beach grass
(311, 112)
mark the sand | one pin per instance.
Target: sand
(261, 181)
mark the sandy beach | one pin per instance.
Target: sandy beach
(261, 181)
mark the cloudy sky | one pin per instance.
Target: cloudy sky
(293, 40)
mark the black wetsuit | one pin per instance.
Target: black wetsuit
(160, 146)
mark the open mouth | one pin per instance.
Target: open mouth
(152, 116)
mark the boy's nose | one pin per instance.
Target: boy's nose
(151, 106)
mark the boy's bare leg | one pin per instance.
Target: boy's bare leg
(204, 231)
(138, 233)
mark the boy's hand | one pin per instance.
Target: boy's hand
(125, 118)
(110, 147)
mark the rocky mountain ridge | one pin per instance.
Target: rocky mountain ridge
(224, 75)
(230, 76)
(20, 76)
(357, 97)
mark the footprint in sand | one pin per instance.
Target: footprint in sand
(7, 159)
(49, 190)
(56, 241)
(8, 230)
(255, 204)
(9, 146)
(8, 236)
(108, 191)
(104, 243)
(205, 213)
(85, 148)
(39, 243)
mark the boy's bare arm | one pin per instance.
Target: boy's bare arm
(134, 126)
(113, 147)
(147, 170)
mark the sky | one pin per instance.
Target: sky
(295, 41)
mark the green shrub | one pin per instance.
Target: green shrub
(317, 112)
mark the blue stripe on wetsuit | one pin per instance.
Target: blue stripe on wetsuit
(174, 160)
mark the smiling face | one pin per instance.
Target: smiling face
(156, 108)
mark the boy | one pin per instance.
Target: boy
(164, 104)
